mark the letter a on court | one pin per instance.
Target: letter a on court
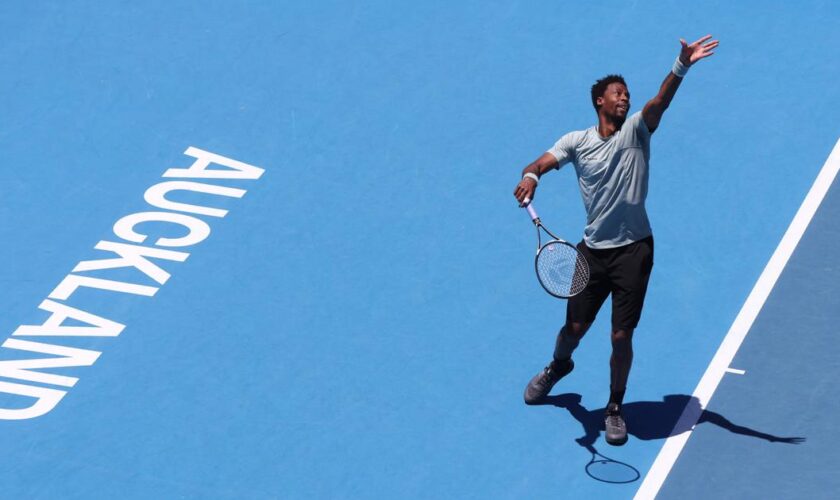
(203, 159)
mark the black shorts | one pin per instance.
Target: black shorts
(623, 271)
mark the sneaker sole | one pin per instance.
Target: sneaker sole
(616, 442)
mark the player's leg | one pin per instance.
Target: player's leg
(630, 270)
(621, 360)
(568, 339)
(580, 313)
(582, 309)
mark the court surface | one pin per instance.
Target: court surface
(344, 304)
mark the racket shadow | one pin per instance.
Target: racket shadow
(600, 467)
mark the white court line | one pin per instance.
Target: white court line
(736, 371)
(743, 322)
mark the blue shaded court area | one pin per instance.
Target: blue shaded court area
(269, 250)
(786, 392)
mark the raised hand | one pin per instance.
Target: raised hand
(702, 48)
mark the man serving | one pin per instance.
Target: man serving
(611, 162)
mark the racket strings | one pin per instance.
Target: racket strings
(562, 270)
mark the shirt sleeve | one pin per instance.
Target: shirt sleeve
(564, 149)
(637, 122)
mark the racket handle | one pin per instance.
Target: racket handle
(533, 213)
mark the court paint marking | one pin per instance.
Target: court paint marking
(740, 327)
(133, 256)
(735, 371)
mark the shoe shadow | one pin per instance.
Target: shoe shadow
(647, 420)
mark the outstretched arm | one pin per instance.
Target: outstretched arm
(724, 423)
(689, 54)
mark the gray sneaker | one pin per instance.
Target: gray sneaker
(616, 429)
(539, 386)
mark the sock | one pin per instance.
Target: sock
(617, 396)
(559, 366)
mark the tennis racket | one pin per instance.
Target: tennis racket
(561, 269)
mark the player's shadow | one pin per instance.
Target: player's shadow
(649, 420)
(646, 420)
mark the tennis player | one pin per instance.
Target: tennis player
(611, 162)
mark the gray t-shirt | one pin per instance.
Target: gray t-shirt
(613, 178)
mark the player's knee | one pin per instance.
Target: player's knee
(622, 340)
(576, 330)
(622, 334)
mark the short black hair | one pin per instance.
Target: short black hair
(601, 86)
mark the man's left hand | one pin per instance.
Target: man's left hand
(702, 48)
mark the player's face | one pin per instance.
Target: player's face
(615, 103)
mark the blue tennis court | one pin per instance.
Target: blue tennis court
(269, 250)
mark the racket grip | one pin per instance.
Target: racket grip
(533, 213)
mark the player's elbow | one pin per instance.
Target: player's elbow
(542, 164)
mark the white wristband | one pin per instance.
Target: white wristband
(532, 176)
(679, 68)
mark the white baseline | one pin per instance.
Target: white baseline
(738, 331)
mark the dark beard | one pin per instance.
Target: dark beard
(618, 121)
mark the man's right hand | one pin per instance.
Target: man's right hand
(524, 191)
